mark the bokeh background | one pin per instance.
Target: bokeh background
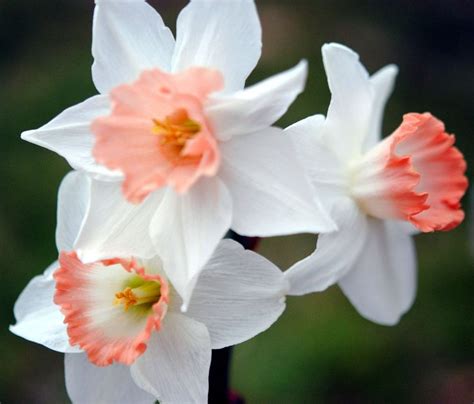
(321, 350)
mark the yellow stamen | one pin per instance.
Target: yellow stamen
(148, 292)
(176, 129)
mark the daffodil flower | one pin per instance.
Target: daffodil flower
(119, 322)
(379, 192)
(182, 147)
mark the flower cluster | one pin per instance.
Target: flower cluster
(173, 153)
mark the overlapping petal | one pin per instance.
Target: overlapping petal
(382, 83)
(382, 282)
(257, 107)
(87, 383)
(223, 35)
(270, 193)
(187, 228)
(73, 202)
(324, 170)
(112, 226)
(238, 295)
(335, 254)
(350, 111)
(175, 366)
(128, 37)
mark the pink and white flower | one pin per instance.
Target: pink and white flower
(119, 321)
(379, 192)
(179, 141)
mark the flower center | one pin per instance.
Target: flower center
(176, 129)
(146, 293)
(157, 133)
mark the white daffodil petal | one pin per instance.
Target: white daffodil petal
(223, 35)
(324, 170)
(350, 112)
(382, 83)
(114, 227)
(70, 136)
(335, 254)
(87, 383)
(238, 295)
(73, 201)
(270, 192)
(38, 318)
(175, 366)
(382, 283)
(408, 228)
(128, 37)
(256, 107)
(187, 228)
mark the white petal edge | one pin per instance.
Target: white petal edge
(187, 228)
(38, 318)
(128, 37)
(70, 136)
(257, 107)
(350, 111)
(270, 192)
(325, 172)
(335, 252)
(382, 283)
(223, 35)
(87, 383)
(175, 366)
(73, 201)
(382, 83)
(238, 295)
(113, 227)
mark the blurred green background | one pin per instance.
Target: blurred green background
(321, 350)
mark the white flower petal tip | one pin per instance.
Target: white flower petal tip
(224, 35)
(382, 83)
(128, 37)
(69, 135)
(386, 74)
(257, 107)
(333, 48)
(239, 294)
(38, 319)
(382, 282)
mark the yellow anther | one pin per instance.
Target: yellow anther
(148, 292)
(176, 129)
(126, 297)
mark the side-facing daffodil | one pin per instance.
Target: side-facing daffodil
(379, 191)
